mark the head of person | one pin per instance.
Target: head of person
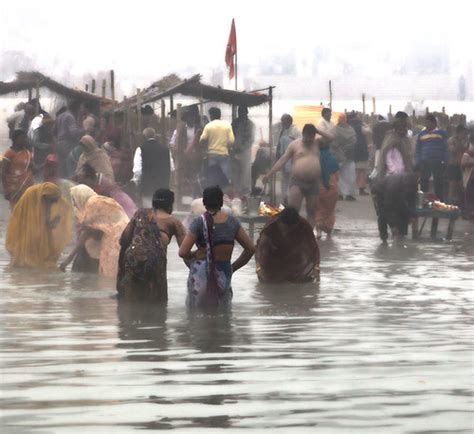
(163, 199)
(30, 110)
(147, 110)
(19, 139)
(213, 198)
(289, 216)
(88, 144)
(326, 114)
(243, 112)
(286, 121)
(400, 127)
(461, 132)
(80, 194)
(20, 106)
(342, 119)
(401, 116)
(74, 107)
(380, 118)
(214, 113)
(149, 133)
(50, 193)
(430, 122)
(309, 134)
(87, 176)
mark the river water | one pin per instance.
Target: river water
(382, 344)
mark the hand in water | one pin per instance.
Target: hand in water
(62, 267)
(265, 179)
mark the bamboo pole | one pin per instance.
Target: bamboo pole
(86, 87)
(373, 105)
(104, 86)
(139, 111)
(330, 94)
(37, 103)
(270, 141)
(93, 86)
(363, 104)
(30, 94)
(112, 91)
(171, 103)
(179, 157)
(163, 119)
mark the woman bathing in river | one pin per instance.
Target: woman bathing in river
(143, 245)
(214, 233)
(102, 221)
(39, 227)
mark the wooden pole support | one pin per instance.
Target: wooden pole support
(330, 94)
(93, 86)
(104, 86)
(363, 103)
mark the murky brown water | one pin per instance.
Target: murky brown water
(382, 344)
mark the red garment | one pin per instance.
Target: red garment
(326, 210)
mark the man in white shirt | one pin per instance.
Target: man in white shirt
(324, 124)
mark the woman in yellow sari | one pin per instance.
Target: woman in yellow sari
(104, 215)
(39, 227)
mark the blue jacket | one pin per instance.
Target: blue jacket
(432, 145)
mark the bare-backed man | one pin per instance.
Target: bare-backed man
(305, 171)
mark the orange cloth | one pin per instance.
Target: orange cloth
(103, 214)
(326, 210)
(19, 175)
(28, 240)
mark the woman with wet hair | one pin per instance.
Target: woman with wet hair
(143, 247)
(214, 233)
(287, 250)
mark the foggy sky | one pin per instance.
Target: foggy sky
(154, 37)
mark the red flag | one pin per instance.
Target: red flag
(231, 50)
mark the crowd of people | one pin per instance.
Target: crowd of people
(80, 171)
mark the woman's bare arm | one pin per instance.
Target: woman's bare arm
(249, 249)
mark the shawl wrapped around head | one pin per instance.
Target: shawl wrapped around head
(105, 215)
(287, 253)
(29, 240)
(95, 157)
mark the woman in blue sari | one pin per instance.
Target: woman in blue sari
(214, 233)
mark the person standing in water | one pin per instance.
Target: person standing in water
(17, 168)
(39, 227)
(305, 171)
(211, 270)
(143, 246)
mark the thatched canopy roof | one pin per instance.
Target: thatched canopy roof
(28, 80)
(193, 87)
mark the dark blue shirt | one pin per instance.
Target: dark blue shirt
(432, 146)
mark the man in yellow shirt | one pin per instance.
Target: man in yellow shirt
(218, 137)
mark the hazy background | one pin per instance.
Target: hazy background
(405, 50)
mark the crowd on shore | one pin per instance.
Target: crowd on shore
(80, 171)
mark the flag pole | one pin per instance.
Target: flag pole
(235, 70)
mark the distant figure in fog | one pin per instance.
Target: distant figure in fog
(214, 233)
(95, 157)
(241, 154)
(68, 134)
(343, 146)
(324, 124)
(151, 166)
(217, 137)
(39, 227)
(457, 145)
(285, 134)
(432, 155)
(361, 151)
(143, 245)
(17, 168)
(287, 250)
(395, 185)
(467, 165)
(328, 191)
